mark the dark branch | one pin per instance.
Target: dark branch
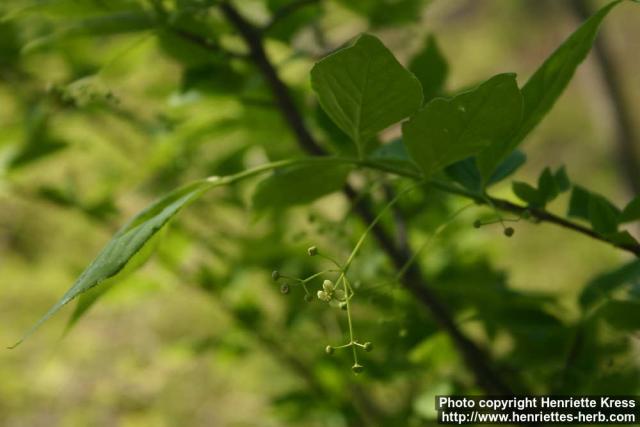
(476, 358)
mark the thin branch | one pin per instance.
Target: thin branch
(476, 358)
(627, 149)
(505, 205)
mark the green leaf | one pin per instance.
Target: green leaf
(547, 187)
(579, 203)
(102, 25)
(394, 153)
(622, 315)
(546, 85)
(386, 13)
(603, 215)
(430, 67)
(632, 211)
(603, 285)
(299, 185)
(448, 130)
(126, 243)
(466, 173)
(562, 180)
(528, 193)
(364, 89)
(87, 299)
(621, 238)
(511, 164)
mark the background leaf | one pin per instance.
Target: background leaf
(603, 285)
(431, 68)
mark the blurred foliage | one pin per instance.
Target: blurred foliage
(108, 105)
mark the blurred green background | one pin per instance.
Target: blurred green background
(95, 125)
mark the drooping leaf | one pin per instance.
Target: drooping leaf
(364, 89)
(631, 212)
(126, 243)
(87, 299)
(546, 85)
(299, 185)
(602, 286)
(431, 68)
(448, 130)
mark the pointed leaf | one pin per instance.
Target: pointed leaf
(448, 130)
(546, 85)
(126, 243)
(364, 89)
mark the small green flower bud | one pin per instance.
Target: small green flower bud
(343, 306)
(339, 294)
(275, 275)
(357, 368)
(312, 251)
(329, 350)
(509, 231)
(308, 298)
(477, 223)
(368, 346)
(327, 285)
(284, 288)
